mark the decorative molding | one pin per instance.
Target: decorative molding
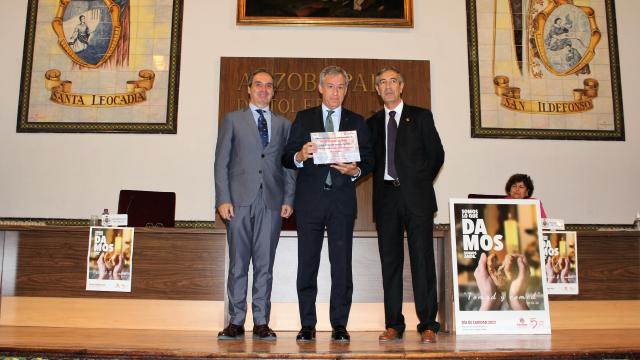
(188, 224)
(205, 224)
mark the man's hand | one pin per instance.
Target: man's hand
(566, 270)
(103, 273)
(350, 169)
(487, 288)
(306, 152)
(119, 267)
(226, 211)
(286, 211)
(518, 288)
(552, 277)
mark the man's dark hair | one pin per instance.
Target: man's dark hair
(389, 68)
(258, 71)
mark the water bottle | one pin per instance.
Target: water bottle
(105, 217)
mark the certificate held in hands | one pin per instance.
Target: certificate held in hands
(336, 147)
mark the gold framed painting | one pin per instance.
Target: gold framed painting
(101, 66)
(544, 69)
(372, 13)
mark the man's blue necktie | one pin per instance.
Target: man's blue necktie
(263, 129)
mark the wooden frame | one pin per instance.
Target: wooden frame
(101, 66)
(330, 13)
(524, 63)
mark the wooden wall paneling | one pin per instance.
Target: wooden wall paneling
(166, 265)
(296, 82)
(608, 266)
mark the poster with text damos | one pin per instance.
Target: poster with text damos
(110, 259)
(498, 270)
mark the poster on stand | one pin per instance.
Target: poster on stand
(498, 275)
(110, 259)
(561, 262)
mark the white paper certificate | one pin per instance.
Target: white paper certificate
(335, 147)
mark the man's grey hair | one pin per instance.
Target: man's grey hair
(259, 71)
(389, 68)
(333, 70)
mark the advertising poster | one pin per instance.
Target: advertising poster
(498, 275)
(110, 259)
(561, 262)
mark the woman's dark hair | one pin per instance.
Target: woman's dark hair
(516, 178)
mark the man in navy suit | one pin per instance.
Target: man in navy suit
(326, 199)
(408, 156)
(253, 192)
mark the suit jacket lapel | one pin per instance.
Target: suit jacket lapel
(404, 121)
(273, 131)
(250, 124)
(345, 121)
(318, 122)
(382, 129)
(277, 127)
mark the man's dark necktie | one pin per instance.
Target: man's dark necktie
(392, 131)
(263, 129)
(328, 127)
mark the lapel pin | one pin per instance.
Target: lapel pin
(407, 119)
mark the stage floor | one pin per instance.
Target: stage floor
(74, 343)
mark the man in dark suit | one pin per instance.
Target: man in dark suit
(326, 199)
(408, 156)
(253, 192)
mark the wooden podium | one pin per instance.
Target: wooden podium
(178, 282)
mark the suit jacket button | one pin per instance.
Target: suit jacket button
(259, 171)
(262, 155)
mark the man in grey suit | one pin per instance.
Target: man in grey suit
(253, 193)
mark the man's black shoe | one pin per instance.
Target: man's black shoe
(231, 332)
(263, 332)
(307, 333)
(340, 334)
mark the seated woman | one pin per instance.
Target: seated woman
(520, 186)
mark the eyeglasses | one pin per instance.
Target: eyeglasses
(154, 224)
